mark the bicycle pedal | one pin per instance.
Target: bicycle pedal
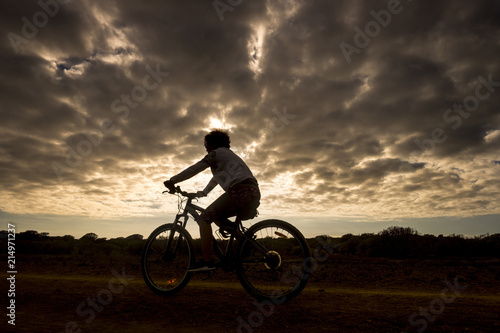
(225, 233)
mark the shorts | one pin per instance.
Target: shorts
(238, 200)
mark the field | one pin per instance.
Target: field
(57, 293)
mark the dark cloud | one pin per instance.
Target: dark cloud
(113, 96)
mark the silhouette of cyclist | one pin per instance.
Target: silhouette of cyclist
(241, 197)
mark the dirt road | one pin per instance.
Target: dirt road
(51, 297)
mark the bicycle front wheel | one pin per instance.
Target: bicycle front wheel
(165, 259)
(274, 262)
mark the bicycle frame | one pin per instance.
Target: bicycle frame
(195, 211)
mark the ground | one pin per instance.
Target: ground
(62, 294)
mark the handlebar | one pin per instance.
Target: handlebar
(177, 189)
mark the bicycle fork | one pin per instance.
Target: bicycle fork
(169, 255)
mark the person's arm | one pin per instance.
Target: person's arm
(210, 186)
(190, 172)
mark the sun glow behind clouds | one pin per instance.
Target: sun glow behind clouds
(216, 123)
(219, 121)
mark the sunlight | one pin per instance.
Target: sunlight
(216, 123)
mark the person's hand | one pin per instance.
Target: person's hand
(200, 194)
(171, 187)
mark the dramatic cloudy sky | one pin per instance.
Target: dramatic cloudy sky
(353, 115)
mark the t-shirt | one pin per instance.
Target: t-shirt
(227, 168)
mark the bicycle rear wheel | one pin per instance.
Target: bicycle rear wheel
(165, 259)
(277, 267)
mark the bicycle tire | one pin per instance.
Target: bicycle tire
(166, 273)
(282, 273)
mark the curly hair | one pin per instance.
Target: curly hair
(216, 139)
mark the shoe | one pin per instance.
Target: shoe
(227, 228)
(203, 266)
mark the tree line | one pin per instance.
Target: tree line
(34, 242)
(393, 242)
(401, 242)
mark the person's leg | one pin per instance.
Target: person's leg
(227, 205)
(244, 198)
(206, 240)
(215, 212)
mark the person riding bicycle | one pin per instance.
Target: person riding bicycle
(241, 197)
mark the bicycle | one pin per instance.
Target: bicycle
(272, 257)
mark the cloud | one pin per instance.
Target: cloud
(88, 128)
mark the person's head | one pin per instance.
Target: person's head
(216, 139)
